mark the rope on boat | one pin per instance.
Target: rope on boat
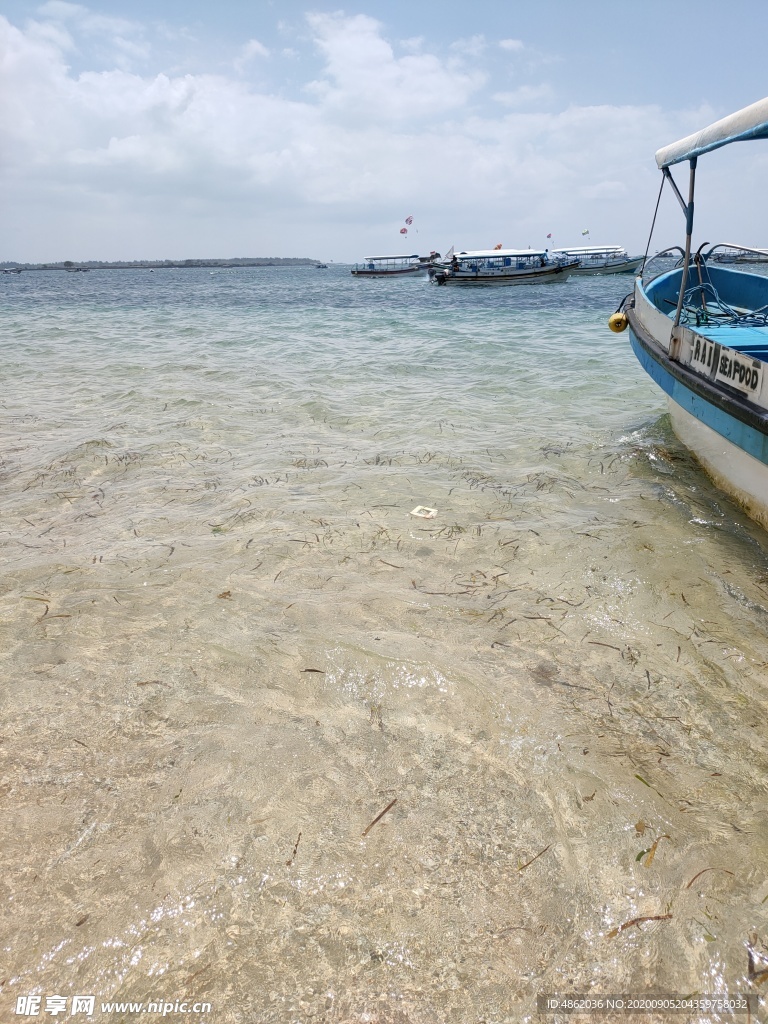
(653, 224)
(715, 310)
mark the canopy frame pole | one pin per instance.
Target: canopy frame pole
(688, 208)
(668, 177)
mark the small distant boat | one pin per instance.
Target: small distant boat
(700, 331)
(12, 270)
(390, 266)
(321, 266)
(601, 259)
(503, 267)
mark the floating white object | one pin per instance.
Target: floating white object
(423, 512)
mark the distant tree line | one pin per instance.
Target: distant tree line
(240, 261)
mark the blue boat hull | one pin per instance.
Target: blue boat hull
(740, 426)
(727, 432)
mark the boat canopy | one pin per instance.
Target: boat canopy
(375, 259)
(486, 253)
(749, 123)
(743, 248)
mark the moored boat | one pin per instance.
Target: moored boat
(701, 332)
(601, 259)
(728, 252)
(503, 267)
(389, 266)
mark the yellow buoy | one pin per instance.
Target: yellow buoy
(618, 322)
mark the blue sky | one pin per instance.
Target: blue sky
(133, 129)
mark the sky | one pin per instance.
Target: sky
(180, 129)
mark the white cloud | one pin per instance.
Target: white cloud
(253, 48)
(473, 46)
(58, 9)
(511, 44)
(96, 24)
(117, 40)
(525, 95)
(364, 80)
(413, 45)
(605, 190)
(211, 165)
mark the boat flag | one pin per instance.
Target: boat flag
(403, 231)
(585, 231)
(498, 246)
(409, 221)
(549, 235)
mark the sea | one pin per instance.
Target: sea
(371, 652)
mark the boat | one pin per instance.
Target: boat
(700, 330)
(503, 267)
(321, 266)
(728, 252)
(601, 259)
(389, 266)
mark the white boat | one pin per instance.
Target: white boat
(728, 252)
(503, 267)
(390, 266)
(700, 330)
(601, 259)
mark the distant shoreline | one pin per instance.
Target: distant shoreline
(72, 265)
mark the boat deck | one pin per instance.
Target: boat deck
(750, 339)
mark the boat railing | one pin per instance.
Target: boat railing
(650, 270)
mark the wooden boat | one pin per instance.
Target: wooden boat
(700, 330)
(389, 266)
(503, 267)
(601, 259)
(728, 252)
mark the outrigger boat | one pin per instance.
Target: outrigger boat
(601, 259)
(391, 266)
(503, 266)
(701, 332)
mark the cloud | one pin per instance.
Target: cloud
(525, 95)
(253, 48)
(413, 45)
(211, 164)
(511, 44)
(85, 21)
(59, 10)
(117, 40)
(605, 190)
(364, 80)
(473, 46)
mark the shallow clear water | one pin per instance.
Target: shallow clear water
(228, 645)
